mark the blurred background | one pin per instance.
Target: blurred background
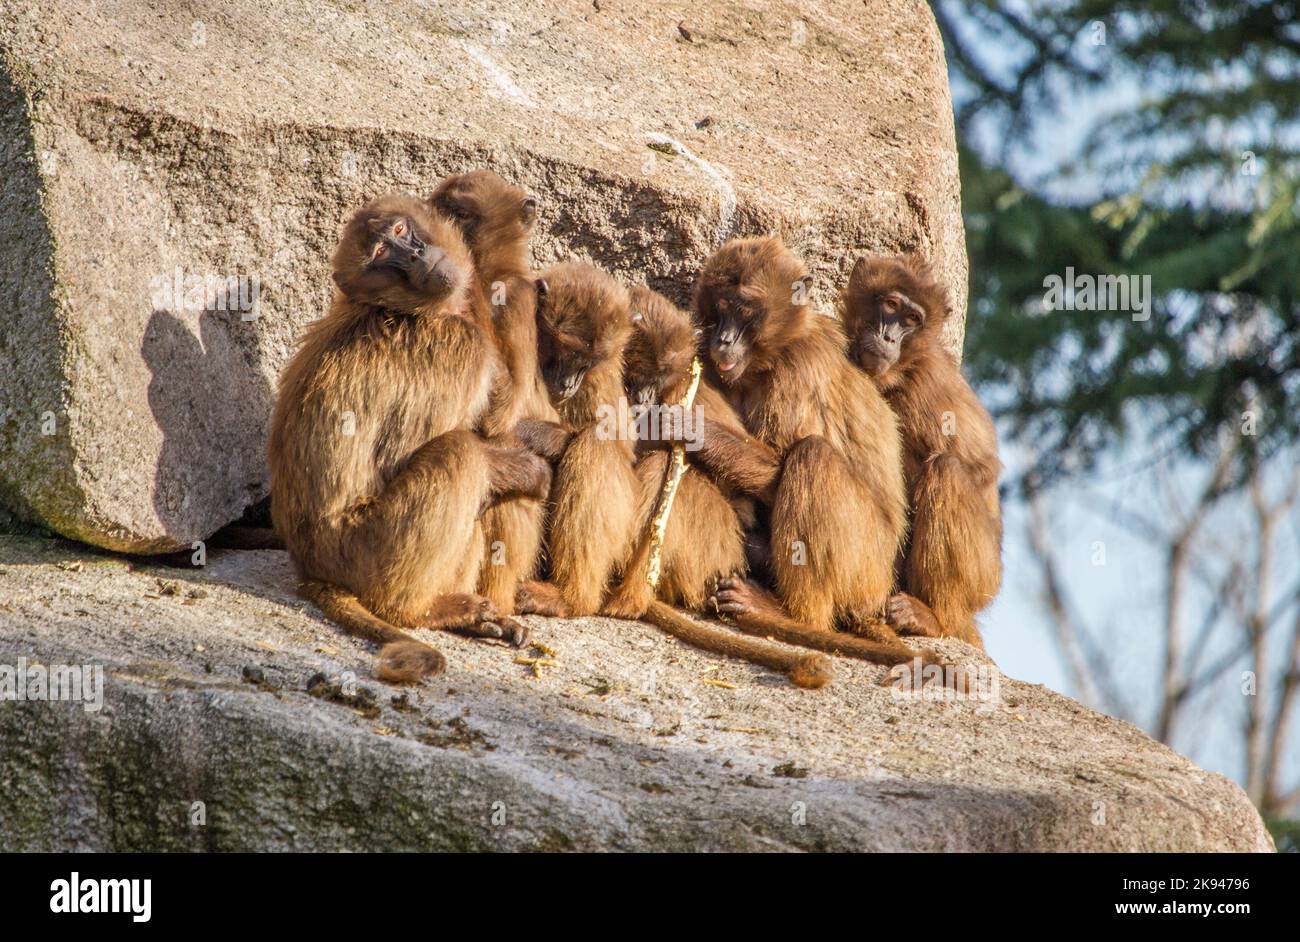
(1152, 481)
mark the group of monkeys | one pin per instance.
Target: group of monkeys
(437, 459)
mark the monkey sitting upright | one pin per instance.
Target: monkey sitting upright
(602, 507)
(496, 220)
(951, 565)
(377, 477)
(704, 538)
(583, 327)
(826, 462)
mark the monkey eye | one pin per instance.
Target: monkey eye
(381, 250)
(399, 228)
(890, 303)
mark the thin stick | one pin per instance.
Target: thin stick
(672, 478)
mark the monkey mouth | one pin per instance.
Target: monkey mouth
(564, 386)
(729, 370)
(873, 362)
(433, 280)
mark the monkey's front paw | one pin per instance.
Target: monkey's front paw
(547, 439)
(538, 484)
(910, 616)
(517, 472)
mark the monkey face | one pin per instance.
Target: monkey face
(738, 322)
(564, 369)
(888, 304)
(659, 353)
(485, 207)
(394, 254)
(880, 338)
(753, 296)
(582, 326)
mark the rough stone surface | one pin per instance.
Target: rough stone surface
(622, 744)
(142, 138)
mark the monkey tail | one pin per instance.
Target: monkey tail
(886, 653)
(402, 659)
(804, 670)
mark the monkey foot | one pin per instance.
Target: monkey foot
(911, 616)
(737, 596)
(459, 610)
(540, 598)
(499, 629)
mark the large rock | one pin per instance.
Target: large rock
(628, 741)
(146, 142)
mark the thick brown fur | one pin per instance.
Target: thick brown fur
(703, 541)
(602, 505)
(583, 326)
(377, 477)
(951, 565)
(496, 219)
(829, 464)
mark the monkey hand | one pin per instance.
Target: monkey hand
(515, 471)
(675, 425)
(547, 439)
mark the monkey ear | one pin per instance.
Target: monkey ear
(860, 267)
(542, 287)
(807, 282)
(528, 212)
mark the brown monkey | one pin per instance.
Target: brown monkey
(603, 506)
(704, 539)
(377, 478)
(827, 461)
(584, 325)
(496, 220)
(951, 565)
